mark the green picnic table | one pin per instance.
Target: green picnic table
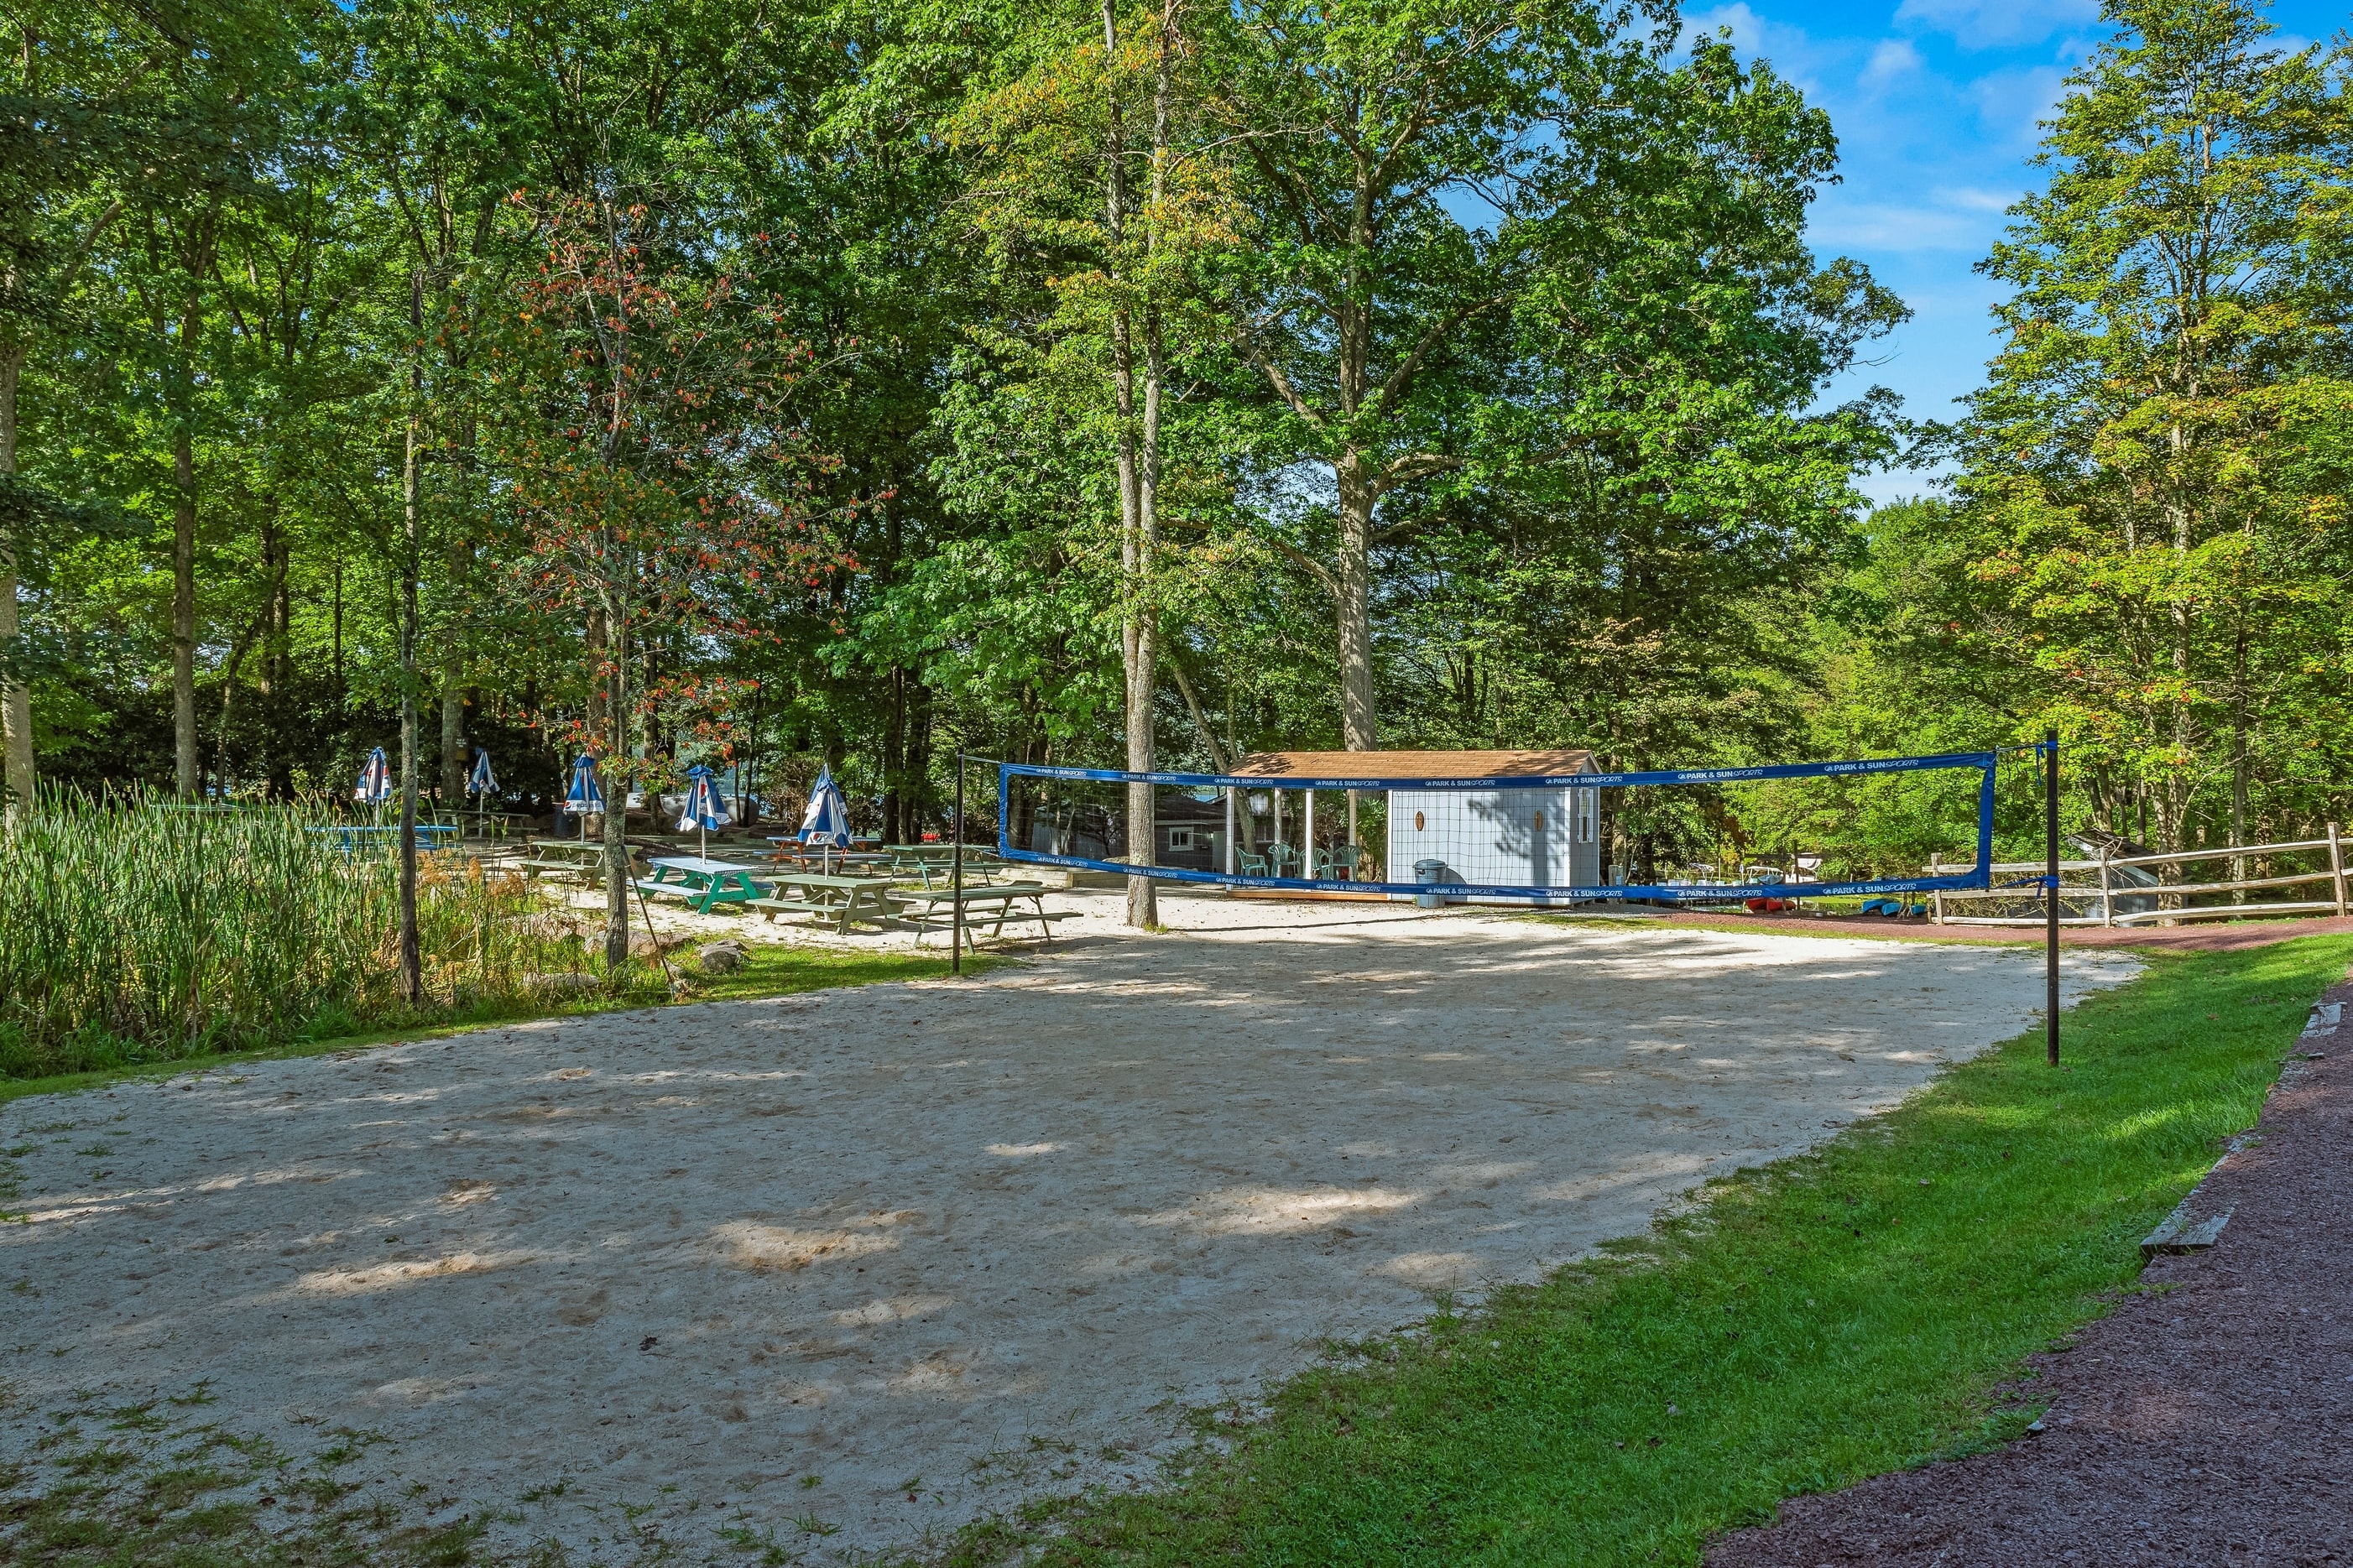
(701, 883)
(834, 901)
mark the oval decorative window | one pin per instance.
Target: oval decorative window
(1417, 821)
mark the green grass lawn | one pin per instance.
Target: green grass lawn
(1829, 1317)
(771, 971)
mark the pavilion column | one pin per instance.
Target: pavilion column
(1307, 833)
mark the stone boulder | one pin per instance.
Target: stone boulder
(722, 957)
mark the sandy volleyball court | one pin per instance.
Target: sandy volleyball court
(941, 1245)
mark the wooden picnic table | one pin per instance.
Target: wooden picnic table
(568, 857)
(936, 867)
(701, 883)
(995, 905)
(793, 852)
(835, 900)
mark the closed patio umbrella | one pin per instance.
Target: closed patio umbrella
(482, 786)
(827, 821)
(375, 781)
(705, 809)
(586, 796)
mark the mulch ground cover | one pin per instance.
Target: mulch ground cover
(2207, 1419)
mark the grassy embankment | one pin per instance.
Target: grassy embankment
(1833, 1317)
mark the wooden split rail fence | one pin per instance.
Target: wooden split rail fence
(2100, 891)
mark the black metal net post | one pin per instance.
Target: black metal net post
(2051, 896)
(956, 881)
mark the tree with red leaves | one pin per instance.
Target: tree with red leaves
(639, 416)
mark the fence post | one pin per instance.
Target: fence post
(2107, 903)
(2337, 868)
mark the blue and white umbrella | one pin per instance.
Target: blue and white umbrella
(827, 821)
(705, 808)
(586, 794)
(483, 784)
(375, 781)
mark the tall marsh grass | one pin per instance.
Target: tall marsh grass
(132, 931)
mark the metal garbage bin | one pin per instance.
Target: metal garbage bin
(1428, 873)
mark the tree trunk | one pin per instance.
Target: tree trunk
(617, 795)
(453, 733)
(412, 962)
(894, 755)
(15, 700)
(1135, 631)
(1353, 600)
(277, 767)
(184, 765)
(601, 688)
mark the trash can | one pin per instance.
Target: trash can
(1428, 873)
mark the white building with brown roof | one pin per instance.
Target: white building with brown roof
(1540, 835)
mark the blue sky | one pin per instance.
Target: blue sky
(1935, 102)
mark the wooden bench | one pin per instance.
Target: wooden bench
(562, 871)
(771, 908)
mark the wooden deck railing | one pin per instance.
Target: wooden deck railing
(2098, 892)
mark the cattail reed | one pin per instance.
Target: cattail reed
(135, 931)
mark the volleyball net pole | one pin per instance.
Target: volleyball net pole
(2051, 896)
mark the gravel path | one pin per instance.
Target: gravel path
(2210, 1422)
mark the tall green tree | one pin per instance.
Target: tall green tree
(2159, 550)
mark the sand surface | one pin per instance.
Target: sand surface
(944, 1245)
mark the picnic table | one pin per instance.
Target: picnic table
(835, 900)
(354, 838)
(700, 882)
(793, 852)
(995, 905)
(568, 856)
(934, 867)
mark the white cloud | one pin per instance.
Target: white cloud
(1971, 199)
(1748, 29)
(1988, 23)
(1892, 59)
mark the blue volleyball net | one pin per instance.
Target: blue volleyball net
(1542, 840)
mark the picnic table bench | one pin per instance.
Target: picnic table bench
(699, 882)
(835, 900)
(995, 906)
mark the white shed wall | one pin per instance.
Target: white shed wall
(1516, 837)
